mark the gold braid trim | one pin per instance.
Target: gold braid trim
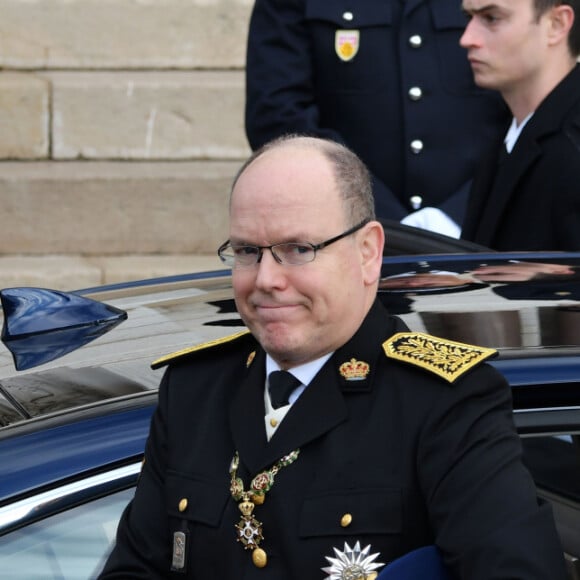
(445, 358)
(164, 360)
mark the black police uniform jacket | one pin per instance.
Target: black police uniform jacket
(530, 199)
(405, 102)
(412, 458)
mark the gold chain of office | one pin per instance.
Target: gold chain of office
(249, 529)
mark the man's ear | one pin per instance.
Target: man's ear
(561, 21)
(372, 243)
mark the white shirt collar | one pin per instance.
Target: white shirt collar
(304, 373)
(514, 132)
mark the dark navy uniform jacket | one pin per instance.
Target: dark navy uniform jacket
(409, 458)
(406, 102)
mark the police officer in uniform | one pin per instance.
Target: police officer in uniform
(328, 439)
(388, 79)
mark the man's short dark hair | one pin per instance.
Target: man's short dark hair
(542, 6)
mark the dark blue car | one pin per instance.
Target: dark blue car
(73, 421)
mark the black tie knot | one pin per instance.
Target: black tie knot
(281, 384)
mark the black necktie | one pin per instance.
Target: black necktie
(280, 385)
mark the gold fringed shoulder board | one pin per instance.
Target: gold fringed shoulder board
(446, 358)
(165, 360)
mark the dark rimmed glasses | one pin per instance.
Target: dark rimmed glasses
(287, 253)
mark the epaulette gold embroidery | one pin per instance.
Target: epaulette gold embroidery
(446, 358)
(164, 360)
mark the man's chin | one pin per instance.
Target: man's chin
(282, 348)
(484, 82)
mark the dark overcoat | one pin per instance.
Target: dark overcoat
(408, 458)
(405, 102)
(530, 199)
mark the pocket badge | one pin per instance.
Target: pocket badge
(178, 552)
(352, 564)
(346, 43)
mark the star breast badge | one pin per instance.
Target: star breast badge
(352, 564)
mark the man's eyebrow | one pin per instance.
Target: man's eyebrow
(478, 10)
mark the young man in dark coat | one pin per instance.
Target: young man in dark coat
(387, 440)
(526, 195)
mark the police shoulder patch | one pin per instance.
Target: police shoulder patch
(446, 358)
(167, 359)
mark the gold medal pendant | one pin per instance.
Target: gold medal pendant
(250, 532)
(259, 558)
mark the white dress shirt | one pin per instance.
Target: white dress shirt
(304, 373)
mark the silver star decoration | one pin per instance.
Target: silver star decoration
(352, 564)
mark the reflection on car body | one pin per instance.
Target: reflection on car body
(72, 431)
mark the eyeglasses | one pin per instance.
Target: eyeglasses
(287, 253)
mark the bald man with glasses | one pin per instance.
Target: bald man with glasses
(329, 439)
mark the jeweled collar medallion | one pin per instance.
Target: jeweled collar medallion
(249, 529)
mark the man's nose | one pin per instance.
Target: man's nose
(466, 39)
(270, 272)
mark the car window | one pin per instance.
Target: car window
(67, 546)
(554, 462)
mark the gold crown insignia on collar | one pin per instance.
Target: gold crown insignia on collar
(446, 358)
(354, 370)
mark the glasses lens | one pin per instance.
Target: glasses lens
(226, 255)
(294, 253)
(239, 256)
(291, 253)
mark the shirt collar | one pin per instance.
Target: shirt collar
(514, 132)
(304, 373)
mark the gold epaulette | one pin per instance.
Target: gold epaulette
(169, 358)
(446, 358)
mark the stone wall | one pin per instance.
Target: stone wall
(121, 126)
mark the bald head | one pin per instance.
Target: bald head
(351, 177)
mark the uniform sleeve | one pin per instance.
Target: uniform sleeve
(482, 501)
(280, 93)
(142, 549)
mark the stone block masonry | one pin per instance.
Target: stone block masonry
(121, 127)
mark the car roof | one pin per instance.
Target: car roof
(163, 316)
